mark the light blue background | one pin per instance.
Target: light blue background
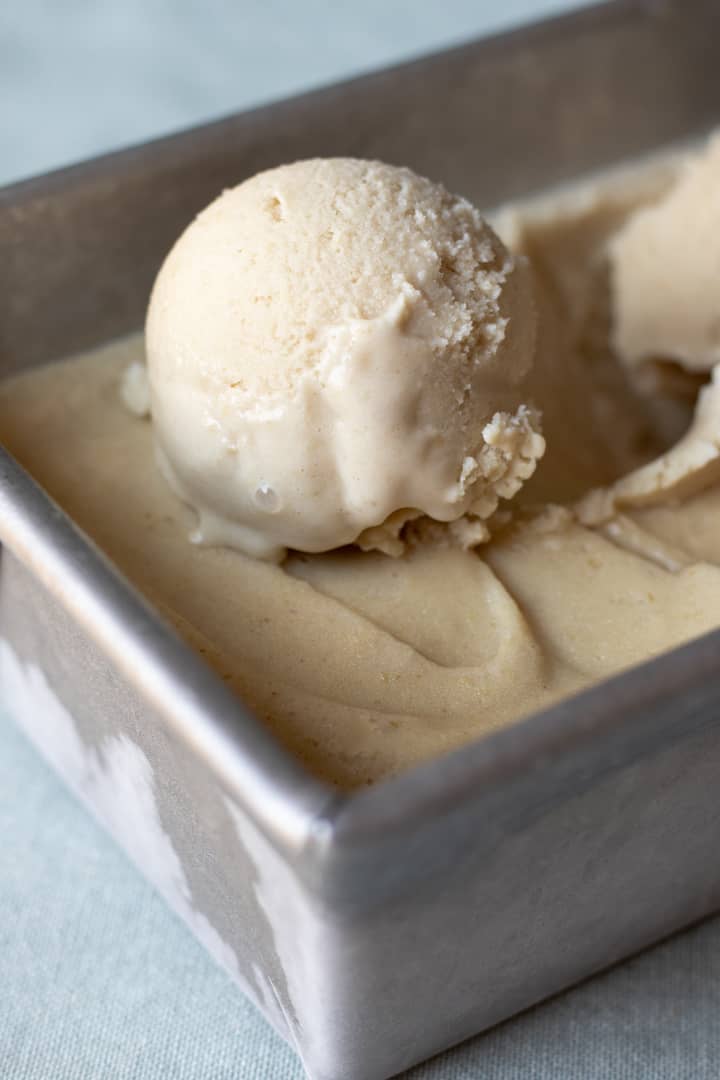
(97, 978)
(81, 76)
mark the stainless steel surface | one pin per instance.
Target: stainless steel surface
(376, 929)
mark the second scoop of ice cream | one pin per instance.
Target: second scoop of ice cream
(665, 270)
(335, 347)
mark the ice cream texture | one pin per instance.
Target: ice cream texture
(666, 272)
(363, 664)
(336, 347)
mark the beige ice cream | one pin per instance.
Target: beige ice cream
(666, 272)
(362, 664)
(689, 467)
(335, 347)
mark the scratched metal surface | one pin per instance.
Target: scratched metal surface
(375, 930)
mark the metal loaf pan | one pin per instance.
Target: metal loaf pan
(375, 929)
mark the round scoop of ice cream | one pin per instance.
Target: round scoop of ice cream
(335, 347)
(665, 265)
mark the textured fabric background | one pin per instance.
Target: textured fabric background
(97, 978)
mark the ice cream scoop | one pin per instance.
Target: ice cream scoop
(335, 347)
(665, 266)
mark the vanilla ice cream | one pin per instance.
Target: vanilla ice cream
(335, 347)
(363, 665)
(665, 269)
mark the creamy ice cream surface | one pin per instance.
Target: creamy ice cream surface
(363, 665)
(336, 347)
(666, 272)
